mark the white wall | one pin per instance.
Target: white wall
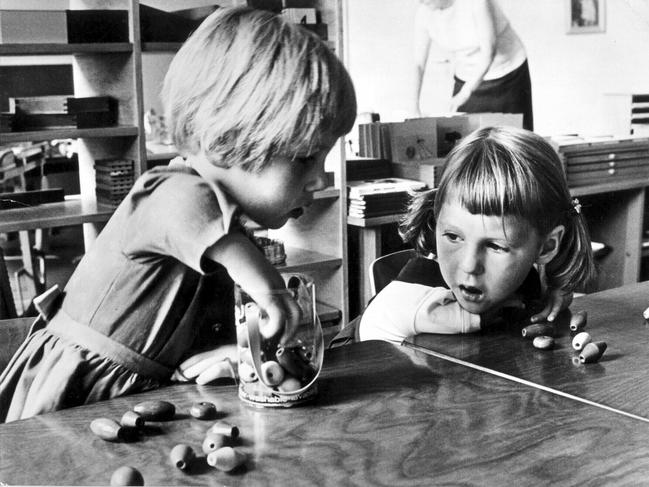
(570, 73)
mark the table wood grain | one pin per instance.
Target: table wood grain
(618, 380)
(385, 416)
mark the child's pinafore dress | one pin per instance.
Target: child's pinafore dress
(130, 310)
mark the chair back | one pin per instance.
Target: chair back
(7, 305)
(387, 267)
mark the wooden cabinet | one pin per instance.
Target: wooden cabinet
(315, 244)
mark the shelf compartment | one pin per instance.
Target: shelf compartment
(161, 46)
(72, 211)
(69, 133)
(63, 49)
(300, 260)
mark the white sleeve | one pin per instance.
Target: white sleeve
(439, 312)
(404, 309)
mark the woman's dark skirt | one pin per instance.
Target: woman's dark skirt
(510, 94)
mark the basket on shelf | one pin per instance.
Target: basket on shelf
(114, 178)
(273, 249)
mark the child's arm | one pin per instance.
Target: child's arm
(404, 309)
(250, 269)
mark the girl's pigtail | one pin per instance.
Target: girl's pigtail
(574, 266)
(418, 225)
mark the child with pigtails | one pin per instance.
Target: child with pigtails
(500, 232)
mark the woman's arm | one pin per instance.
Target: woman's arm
(421, 49)
(486, 32)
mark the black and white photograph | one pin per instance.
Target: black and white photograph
(324, 242)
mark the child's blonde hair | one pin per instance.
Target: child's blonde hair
(248, 85)
(504, 171)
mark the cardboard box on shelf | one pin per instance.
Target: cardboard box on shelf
(33, 27)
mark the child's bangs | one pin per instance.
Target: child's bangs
(484, 186)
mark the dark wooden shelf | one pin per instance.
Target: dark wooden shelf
(68, 133)
(56, 49)
(161, 46)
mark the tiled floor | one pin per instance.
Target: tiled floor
(65, 247)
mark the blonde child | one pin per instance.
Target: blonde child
(502, 211)
(254, 104)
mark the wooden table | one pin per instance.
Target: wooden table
(385, 415)
(618, 380)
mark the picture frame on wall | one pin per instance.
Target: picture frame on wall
(585, 16)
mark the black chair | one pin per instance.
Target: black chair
(387, 267)
(7, 304)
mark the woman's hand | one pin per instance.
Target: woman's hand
(558, 300)
(208, 366)
(460, 99)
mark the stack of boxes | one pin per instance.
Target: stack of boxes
(114, 178)
(55, 112)
(601, 160)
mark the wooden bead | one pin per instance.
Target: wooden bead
(592, 352)
(181, 456)
(293, 363)
(543, 342)
(203, 410)
(289, 384)
(107, 429)
(131, 419)
(156, 410)
(126, 476)
(272, 373)
(538, 329)
(214, 441)
(580, 340)
(578, 320)
(226, 459)
(224, 428)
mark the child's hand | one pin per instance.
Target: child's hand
(558, 300)
(208, 366)
(249, 268)
(282, 313)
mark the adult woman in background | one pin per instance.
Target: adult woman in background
(491, 70)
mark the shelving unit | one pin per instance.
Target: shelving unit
(98, 69)
(628, 114)
(316, 244)
(614, 213)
